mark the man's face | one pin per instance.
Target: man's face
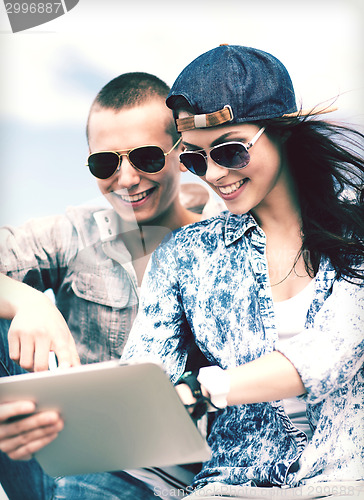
(133, 194)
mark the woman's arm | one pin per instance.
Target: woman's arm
(330, 353)
(160, 332)
(269, 378)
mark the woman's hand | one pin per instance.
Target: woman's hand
(23, 432)
(185, 394)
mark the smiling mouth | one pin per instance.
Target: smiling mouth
(136, 197)
(232, 187)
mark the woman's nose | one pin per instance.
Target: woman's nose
(214, 171)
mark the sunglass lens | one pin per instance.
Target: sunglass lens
(102, 165)
(149, 159)
(233, 155)
(194, 162)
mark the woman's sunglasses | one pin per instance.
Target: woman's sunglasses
(233, 155)
(146, 159)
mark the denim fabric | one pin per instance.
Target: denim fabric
(255, 84)
(26, 480)
(210, 282)
(81, 257)
(334, 490)
(105, 486)
(20, 480)
(93, 291)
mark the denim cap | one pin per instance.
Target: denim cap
(235, 84)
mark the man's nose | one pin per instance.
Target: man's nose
(127, 176)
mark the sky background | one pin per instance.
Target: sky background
(51, 73)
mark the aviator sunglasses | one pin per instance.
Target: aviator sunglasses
(146, 159)
(232, 155)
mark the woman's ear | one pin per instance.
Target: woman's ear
(180, 149)
(182, 167)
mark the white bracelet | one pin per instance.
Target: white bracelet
(217, 383)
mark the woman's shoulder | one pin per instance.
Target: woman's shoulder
(211, 230)
(214, 225)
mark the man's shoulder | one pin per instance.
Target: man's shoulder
(83, 212)
(200, 199)
(86, 221)
(83, 216)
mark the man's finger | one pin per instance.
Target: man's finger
(12, 428)
(15, 409)
(41, 354)
(14, 346)
(66, 354)
(26, 452)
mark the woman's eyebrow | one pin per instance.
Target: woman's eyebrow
(217, 141)
(223, 138)
(187, 144)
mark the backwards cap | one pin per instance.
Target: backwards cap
(234, 84)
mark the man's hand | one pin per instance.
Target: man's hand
(21, 437)
(37, 327)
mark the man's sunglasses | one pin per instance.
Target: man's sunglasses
(233, 155)
(146, 159)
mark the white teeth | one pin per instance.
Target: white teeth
(135, 197)
(231, 188)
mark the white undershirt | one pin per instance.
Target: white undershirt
(290, 320)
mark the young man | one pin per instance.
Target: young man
(93, 258)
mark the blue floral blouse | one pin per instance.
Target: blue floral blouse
(209, 281)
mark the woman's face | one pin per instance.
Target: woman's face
(251, 187)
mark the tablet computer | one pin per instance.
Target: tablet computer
(116, 417)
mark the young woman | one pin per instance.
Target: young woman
(271, 290)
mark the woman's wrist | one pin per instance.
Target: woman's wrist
(216, 382)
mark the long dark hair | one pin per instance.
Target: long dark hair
(327, 164)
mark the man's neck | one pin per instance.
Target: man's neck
(143, 239)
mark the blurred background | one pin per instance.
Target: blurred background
(51, 73)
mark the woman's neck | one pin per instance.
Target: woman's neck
(280, 209)
(279, 216)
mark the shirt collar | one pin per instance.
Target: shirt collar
(108, 223)
(237, 225)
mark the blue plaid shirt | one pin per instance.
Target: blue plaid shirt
(210, 282)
